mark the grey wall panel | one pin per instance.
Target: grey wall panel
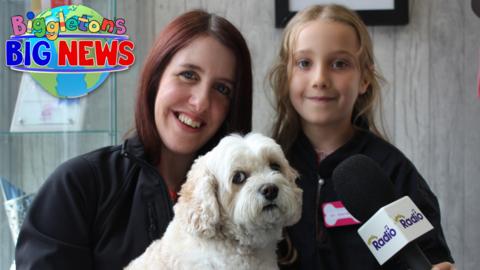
(446, 109)
(386, 66)
(410, 87)
(470, 65)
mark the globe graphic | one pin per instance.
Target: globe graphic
(78, 83)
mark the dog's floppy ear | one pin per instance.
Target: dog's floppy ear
(197, 205)
(291, 173)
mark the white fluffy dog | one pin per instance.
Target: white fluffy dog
(231, 210)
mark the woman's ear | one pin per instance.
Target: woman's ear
(197, 205)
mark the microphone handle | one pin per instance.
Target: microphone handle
(415, 258)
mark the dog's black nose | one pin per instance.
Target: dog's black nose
(269, 191)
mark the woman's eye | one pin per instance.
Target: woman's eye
(222, 89)
(188, 75)
(275, 166)
(340, 64)
(303, 63)
(239, 177)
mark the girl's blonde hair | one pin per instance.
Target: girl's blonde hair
(287, 122)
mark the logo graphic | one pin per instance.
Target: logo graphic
(69, 50)
(379, 242)
(407, 222)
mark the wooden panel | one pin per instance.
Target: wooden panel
(385, 64)
(470, 129)
(141, 32)
(256, 24)
(447, 125)
(144, 22)
(411, 88)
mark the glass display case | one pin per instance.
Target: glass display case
(39, 131)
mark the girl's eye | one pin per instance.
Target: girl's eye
(223, 89)
(239, 177)
(188, 75)
(303, 64)
(340, 64)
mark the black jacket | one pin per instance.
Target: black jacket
(96, 211)
(341, 248)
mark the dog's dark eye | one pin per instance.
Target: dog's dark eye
(275, 166)
(239, 177)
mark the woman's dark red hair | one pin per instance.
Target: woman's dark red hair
(175, 36)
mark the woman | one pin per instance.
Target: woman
(102, 209)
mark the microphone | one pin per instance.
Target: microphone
(390, 224)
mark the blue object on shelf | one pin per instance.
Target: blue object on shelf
(16, 203)
(9, 190)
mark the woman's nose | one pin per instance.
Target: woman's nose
(200, 98)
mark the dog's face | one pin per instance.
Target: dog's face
(243, 183)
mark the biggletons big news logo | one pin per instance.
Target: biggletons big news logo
(68, 50)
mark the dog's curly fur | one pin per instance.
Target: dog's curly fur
(231, 210)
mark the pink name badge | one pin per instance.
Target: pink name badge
(335, 215)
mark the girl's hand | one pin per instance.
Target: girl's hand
(444, 266)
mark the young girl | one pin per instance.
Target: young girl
(326, 88)
(102, 209)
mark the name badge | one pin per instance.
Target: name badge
(335, 215)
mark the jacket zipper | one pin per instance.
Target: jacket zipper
(319, 232)
(145, 164)
(152, 217)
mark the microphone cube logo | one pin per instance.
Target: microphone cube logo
(392, 227)
(407, 222)
(379, 242)
(69, 50)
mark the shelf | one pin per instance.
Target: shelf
(28, 160)
(7, 133)
(35, 138)
(94, 113)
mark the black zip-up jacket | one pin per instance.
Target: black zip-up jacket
(96, 211)
(341, 248)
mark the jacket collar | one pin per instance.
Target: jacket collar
(133, 146)
(326, 167)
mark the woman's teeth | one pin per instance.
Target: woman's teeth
(188, 121)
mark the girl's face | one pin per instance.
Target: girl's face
(193, 95)
(325, 77)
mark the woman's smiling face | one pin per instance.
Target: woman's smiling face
(194, 95)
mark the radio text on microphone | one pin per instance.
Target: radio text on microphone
(378, 243)
(407, 222)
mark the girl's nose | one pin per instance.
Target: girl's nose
(320, 77)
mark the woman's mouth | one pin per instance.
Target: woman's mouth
(185, 119)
